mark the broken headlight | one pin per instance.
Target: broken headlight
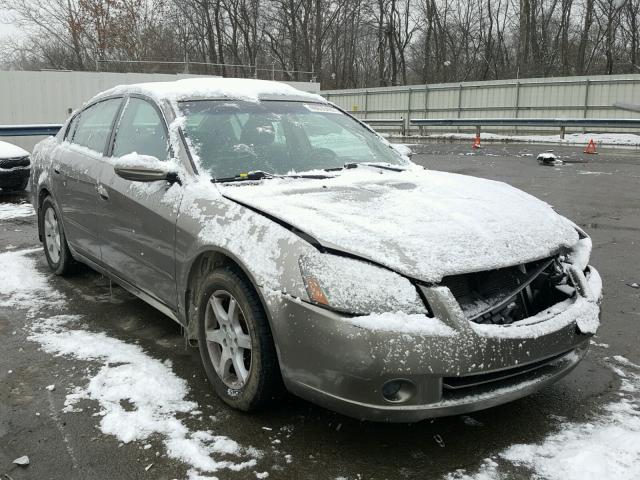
(580, 252)
(357, 287)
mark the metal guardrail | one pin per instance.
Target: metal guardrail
(630, 107)
(530, 122)
(397, 122)
(52, 129)
(29, 130)
(571, 97)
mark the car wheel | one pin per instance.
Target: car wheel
(235, 341)
(53, 239)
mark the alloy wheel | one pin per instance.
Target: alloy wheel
(52, 241)
(228, 339)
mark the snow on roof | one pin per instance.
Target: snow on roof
(9, 150)
(213, 87)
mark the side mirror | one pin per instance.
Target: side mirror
(402, 149)
(144, 168)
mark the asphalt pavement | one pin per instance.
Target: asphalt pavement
(599, 192)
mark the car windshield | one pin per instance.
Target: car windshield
(232, 138)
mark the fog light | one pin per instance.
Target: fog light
(391, 389)
(398, 390)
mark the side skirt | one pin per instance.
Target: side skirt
(142, 295)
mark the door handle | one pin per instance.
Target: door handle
(102, 192)
(56, 169)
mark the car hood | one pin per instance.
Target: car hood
(422, 224)
(9, 150)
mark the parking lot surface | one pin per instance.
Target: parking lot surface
(297, 440)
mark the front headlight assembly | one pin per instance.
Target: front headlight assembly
(580, 252)
(356, 287)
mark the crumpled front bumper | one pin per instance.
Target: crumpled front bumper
(332, 362)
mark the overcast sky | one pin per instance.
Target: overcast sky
(6, 28)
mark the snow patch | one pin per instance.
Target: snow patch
(582, 311)
(608, 446)
(422, 224)
(230, 226)
(401, 322)
(138, 396)
(570, 139)
(22, 286)
(213, 87)
(587, 172)
(10, 211)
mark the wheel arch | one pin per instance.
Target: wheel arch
(43, 192)
(206, 260)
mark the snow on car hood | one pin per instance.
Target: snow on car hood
(9, 150)
(423, 224)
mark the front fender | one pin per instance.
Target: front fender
(265, 251)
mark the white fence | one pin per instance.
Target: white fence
(562, 97)
(49, 96)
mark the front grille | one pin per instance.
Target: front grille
(507, 295)
(14, 162)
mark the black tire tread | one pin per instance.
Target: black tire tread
(268, 387)
(66, 264)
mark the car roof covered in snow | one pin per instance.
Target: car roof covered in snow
(215, 88)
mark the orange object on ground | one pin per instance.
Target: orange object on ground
(591, 147)
(476, 143)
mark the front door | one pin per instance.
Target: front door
(138, 219)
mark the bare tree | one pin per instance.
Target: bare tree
(343, 43)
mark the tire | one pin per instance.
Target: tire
(254, 383)
(56, 251)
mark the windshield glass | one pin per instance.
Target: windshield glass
(235, 137)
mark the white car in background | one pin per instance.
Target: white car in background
(15, 166)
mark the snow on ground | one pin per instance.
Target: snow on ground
(9, 211)
(22, 286)
(138, 396)
(628, 139)
(156, 397)
(608, 446)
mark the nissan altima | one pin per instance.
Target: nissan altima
(302, 252)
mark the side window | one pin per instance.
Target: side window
(94, 124)
(72, 128)
(141, 130)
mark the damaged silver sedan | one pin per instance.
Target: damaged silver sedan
(303, 252)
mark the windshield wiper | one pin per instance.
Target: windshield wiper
(256, 175)
(350, 165)
(261, 175)
(346, 166)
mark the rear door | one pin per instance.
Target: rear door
(138, 219)
(76, 169)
